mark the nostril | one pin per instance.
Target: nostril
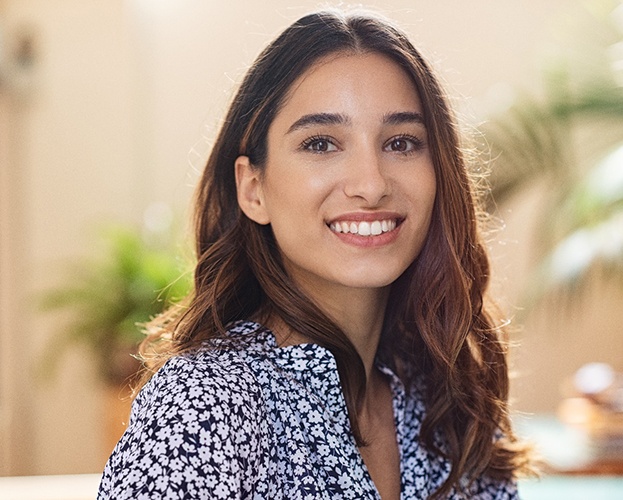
(372, 190)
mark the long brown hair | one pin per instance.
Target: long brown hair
(436, 326)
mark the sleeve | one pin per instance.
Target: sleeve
(196, 431)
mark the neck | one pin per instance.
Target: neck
(359, 312)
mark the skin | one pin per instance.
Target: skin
(348, 146)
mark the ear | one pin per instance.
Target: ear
(249, 191)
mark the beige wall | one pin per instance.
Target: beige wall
(120, 93)
(68, 160)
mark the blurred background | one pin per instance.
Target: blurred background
(107, 111)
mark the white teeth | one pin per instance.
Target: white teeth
(364, 228)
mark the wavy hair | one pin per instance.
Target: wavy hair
(436, 326)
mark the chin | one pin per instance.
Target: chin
(371, 281)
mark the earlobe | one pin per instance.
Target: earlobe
(249, 191)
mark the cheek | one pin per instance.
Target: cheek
(320, 182)
(422, 189)
(295, 191)
(430, 187)
(423, 198)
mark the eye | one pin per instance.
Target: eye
(404, 144)
(319, 144)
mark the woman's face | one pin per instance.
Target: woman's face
(348, 186)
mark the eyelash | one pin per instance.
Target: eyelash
(418, 143)
(307, 143)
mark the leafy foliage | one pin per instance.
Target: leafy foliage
(109, 296)
(540, 140)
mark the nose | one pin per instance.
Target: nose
(366, 179)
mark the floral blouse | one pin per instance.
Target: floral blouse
(260, 421)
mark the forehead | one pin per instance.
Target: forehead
(356, 85)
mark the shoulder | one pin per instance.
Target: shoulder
(200, 392)
(200, 420)
(216, 374)
(187, 379)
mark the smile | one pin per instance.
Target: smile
(364, 228)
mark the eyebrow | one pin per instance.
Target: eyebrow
(401, 117)
(397, 118)
(319, 119)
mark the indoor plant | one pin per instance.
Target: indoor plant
(108, 296)
(570, 141)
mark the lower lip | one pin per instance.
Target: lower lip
(368, 241)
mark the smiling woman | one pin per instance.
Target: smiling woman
(352, 144)
(336, 344)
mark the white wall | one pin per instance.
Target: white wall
(122, 91)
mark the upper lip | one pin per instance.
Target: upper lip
(366, 216)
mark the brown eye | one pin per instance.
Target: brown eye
(319, 145)
(404, 144)
(401, 145)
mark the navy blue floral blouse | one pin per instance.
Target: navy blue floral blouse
(260, 421)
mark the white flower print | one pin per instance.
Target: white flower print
(243, 418)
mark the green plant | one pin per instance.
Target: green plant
(108, 296)
(570, 141)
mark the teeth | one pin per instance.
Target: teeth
(364, 228)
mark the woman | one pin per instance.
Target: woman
(336, 344)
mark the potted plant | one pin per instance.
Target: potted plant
(107, 297)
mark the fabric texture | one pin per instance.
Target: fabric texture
(246, 419)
